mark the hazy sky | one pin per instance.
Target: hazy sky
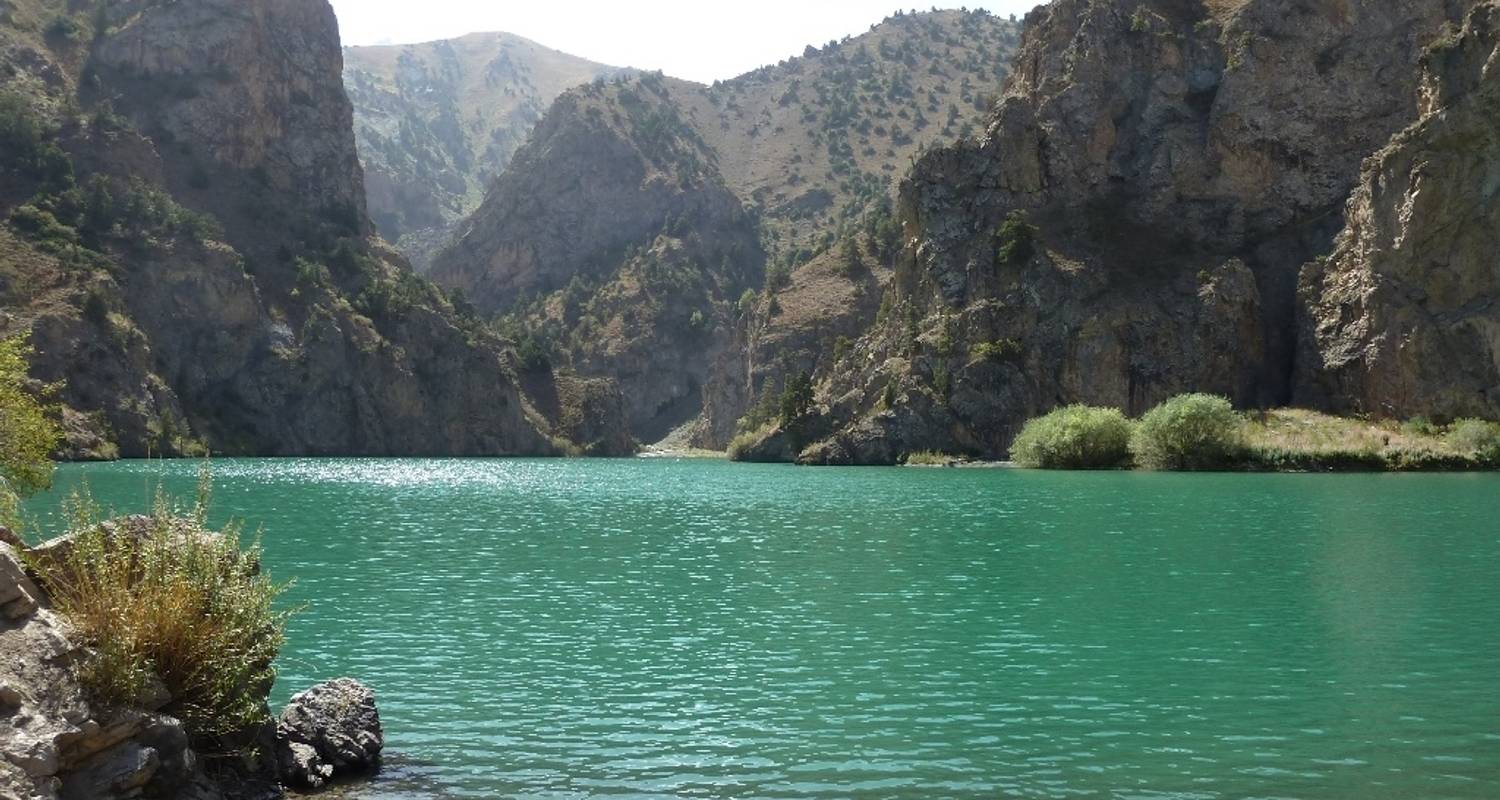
(700, 40)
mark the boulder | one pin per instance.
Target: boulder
(330, 730)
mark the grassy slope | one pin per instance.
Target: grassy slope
(1297, 439)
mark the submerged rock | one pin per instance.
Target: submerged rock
(330, 730)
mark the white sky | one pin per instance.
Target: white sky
(702, 40)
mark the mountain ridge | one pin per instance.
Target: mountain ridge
(437, 121)
(806, 149)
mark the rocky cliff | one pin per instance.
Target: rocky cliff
(188, 246)
(437, 122)
(613, 239)
(627, 230)
(1403, 319)
(1133, 221)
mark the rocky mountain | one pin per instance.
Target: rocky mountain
(186, 242)
(626, 232)
(437, 122)
(1403, 319)
(1131, 225)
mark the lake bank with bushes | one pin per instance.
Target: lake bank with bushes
(1204, 432)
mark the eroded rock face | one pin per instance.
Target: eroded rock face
(250, 86)
(328, 731)
(290, 331)
(1404, 318)
(1178, 162)
(796, 330)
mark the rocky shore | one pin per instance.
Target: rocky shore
(56, 745)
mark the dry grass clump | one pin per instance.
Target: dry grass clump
(164, 598)
(740, 445)
(1301, 439)
(932, 458)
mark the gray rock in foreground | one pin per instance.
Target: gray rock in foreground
(330, 730)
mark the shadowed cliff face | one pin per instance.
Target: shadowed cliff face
(240, 87)
(1403, 318)
(605, 171)
(1177, 163)
(222, 288)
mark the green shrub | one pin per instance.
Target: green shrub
(1017, 239)
(998, 350)
(740, 445)
(96, 308)
(1074, 437)
(1476, 436)
(26, 143)
(747, 302)
(778, 277)
(43, 227)
(942, 379)
(796, 398)
(27, 432)
(312, 274)
(841, 348)
(68, 28)
(534, 353)
(1420, 426)
(167, 597)
(1191, 431)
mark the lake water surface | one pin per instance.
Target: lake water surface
(664, 628)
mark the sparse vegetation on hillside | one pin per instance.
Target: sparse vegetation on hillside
(28, 146)
(436, 122)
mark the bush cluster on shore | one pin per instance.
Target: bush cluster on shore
(165, 602)
(1204, 432)
(1075, 437)
(1191, 431)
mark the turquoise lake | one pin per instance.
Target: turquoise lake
(695, 628)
